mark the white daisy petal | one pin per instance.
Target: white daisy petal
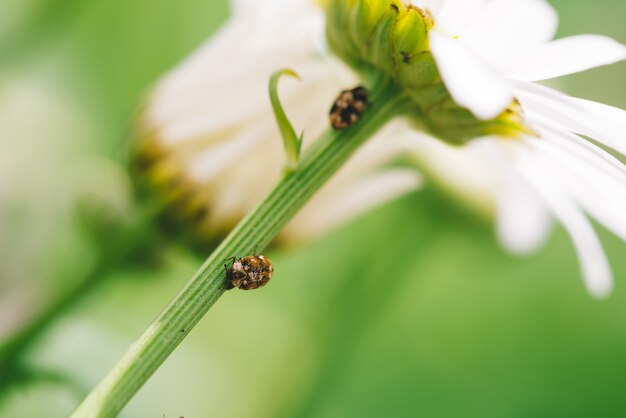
(594, 264)
(505, 30)
(605, 124)
(442, 164)
(568, 56)
(581, 147)
(471, 82)
(541, 90)
(608, 122)
(522, 219)
(456, 15)
(595, 190)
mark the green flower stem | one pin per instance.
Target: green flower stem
(254, 232)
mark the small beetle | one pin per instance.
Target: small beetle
(249, 272)
(348, 108)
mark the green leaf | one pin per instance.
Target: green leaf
(292, 142)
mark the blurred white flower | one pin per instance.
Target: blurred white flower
(212, 124)
(209, 123)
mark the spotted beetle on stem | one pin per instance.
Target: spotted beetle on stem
(249, 272)
(348, 107)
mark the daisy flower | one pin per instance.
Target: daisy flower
(488, 55)
(469, 68)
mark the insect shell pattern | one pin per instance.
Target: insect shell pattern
(249, 272)
(348, 108)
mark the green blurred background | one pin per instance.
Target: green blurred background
(438, 322)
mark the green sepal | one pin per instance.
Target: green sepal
(380, 43)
